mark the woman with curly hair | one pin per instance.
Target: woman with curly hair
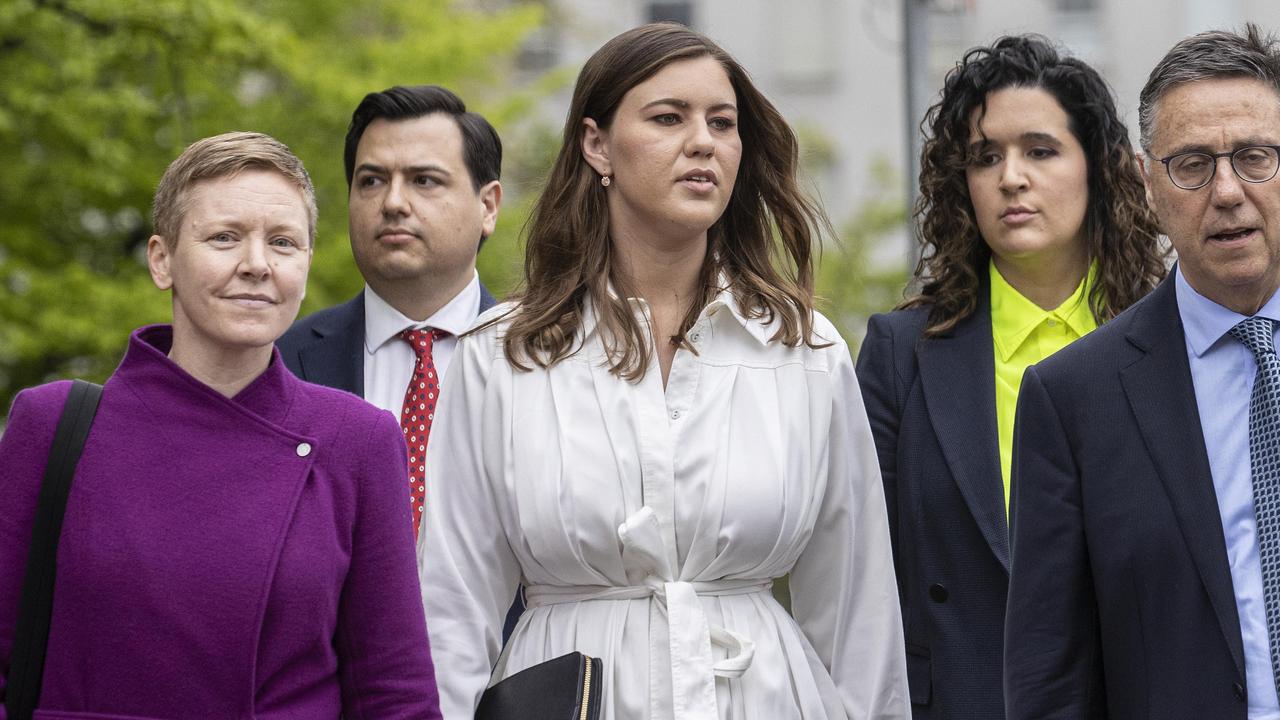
(662, 424)
(1035, 230)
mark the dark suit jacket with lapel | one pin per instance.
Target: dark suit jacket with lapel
(931, 403)
(327, 347)
(1120, 601)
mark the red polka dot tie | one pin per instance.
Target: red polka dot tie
(418, 412)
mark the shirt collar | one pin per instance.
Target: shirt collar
(724, 299)
(1204, 321)
(755, 327)
(383, 322)
(1014, 317)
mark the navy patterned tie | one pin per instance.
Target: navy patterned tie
(1257, 334)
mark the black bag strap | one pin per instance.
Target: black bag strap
(31, 636)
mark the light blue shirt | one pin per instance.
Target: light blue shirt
(1222, 370)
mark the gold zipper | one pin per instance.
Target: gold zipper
(586, 688)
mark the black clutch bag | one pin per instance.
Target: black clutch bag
(564, 688)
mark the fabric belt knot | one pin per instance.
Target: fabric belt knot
(690, 636)
(1258, 334)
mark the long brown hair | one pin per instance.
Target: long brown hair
(569, 257)
(1120, 230)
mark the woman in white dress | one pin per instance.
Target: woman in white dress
(662, 425)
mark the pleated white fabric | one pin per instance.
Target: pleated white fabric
(648, 524)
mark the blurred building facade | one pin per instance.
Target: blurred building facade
(838, 69)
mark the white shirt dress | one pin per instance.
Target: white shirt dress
(648, 523)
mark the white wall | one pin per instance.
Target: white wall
(836, 66)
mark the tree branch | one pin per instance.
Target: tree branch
(93, 25)
(99, 26)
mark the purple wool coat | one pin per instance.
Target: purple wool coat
(248, 557)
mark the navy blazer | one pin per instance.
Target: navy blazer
(327, 347)
(931, 403)
(1120, 600)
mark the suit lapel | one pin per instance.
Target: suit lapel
(487, 300)
(335, 357)
(1158, 386)
(957, 374)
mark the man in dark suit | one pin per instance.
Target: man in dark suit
(1146, 488)
(422, 195)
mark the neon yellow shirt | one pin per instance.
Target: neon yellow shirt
(1024, 334)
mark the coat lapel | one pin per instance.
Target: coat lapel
(335, 357)
(957, 373)
(1158, 386)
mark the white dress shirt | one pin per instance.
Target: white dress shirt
(389, 361)
(1222, 372)
(647, 524)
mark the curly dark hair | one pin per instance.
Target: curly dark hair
(1122, 233)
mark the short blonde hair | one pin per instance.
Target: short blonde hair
(221, 156)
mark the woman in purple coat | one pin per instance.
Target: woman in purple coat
(237, 543)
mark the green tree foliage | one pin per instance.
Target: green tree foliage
(854, 280)
(98, 96)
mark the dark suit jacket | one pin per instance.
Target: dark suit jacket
(327, 347)
(931, 403)
(1120, 600)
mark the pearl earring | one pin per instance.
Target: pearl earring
(605, 180)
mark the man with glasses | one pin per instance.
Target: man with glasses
(1145, 574)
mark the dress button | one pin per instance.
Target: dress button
(1238, 689)
(938, 593)
(304, 449)
(695, 337)
(675, 414)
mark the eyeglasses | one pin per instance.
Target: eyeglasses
(1194, 170)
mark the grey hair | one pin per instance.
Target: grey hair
(1206, 55)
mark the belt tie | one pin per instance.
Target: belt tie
(690, 636)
